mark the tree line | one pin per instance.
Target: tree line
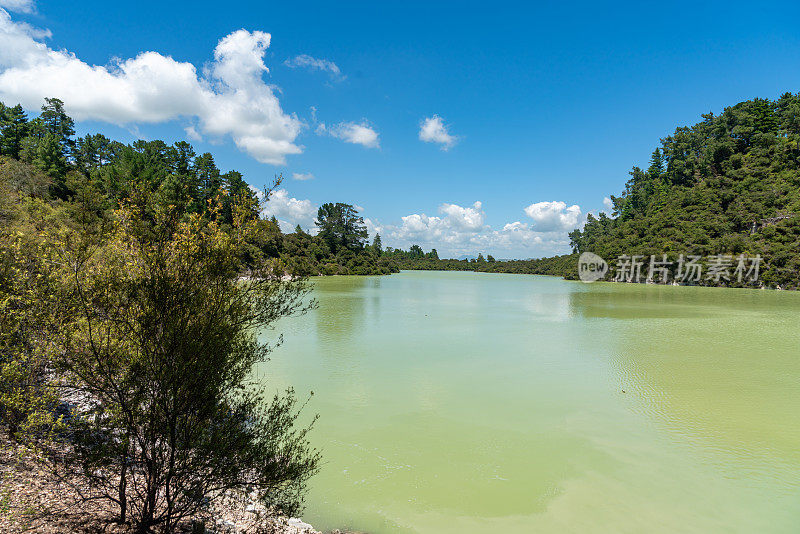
(416, 259)
(174, 175)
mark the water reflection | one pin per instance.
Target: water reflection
(341, 306)
(465, 402)
(711, 366)
(638, 301)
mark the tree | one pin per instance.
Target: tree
(93, 152)
(13, 129)
(208, 177)
(377, 247)
(184, 157)
(237, 193)
(340, 226)
(44, 151)
(57, 122)
(164, 342)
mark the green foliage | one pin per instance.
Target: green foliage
(377, 246)
(174, 176)
(727, 185)
(28, 311)
(730, 184)
(340, 227)
(137, 278)
(163, 341)
(13, 129)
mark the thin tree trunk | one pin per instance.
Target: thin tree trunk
(123, 485)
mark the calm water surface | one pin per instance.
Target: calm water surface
(473, 403)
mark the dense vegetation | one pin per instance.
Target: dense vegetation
(135, 284)
(112, 173)
(727, 185)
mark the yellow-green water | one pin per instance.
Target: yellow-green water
(475, 403)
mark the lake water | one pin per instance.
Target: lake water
(475, 403)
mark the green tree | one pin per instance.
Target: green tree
(57, 122)
(208, 177)
(340, 226)
(13, 129)
(93, 152)
(377, 246)
(164, 342)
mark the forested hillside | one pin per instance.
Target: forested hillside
(730, 185)
(43, 156)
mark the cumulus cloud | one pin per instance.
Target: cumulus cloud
(455, 225)
(230, 97)
(350, 132)
(313, 63)
(433, 130)
(554, 216)
(459, 230)
(20, 6)
(373, 227)
(608, 204)
(193, 134)
(290, 211)
(302, 176)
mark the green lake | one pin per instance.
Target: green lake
(474, 403)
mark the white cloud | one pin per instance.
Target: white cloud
(193, 134)
(609, 205)
(462, 230)
(554, 216)
(455, 226)
(230, 98)
(373, 227)
(350, 132)
(290, 211)
(312, 63)
(466, 219)
(302, 176)
(20, 6)
(433, 130)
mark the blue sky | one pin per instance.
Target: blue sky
(547, 105)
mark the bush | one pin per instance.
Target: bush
(165, 337)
